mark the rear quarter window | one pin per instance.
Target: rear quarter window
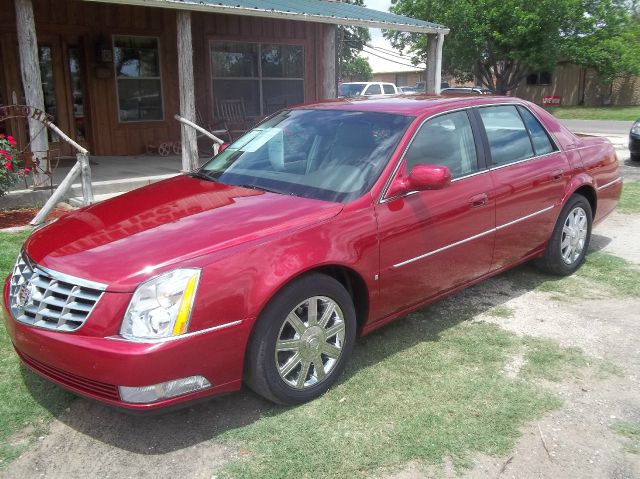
(388, 89)
(539, 137)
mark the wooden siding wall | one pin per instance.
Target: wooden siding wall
(90, 22)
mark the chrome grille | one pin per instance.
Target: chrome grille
(47, 299)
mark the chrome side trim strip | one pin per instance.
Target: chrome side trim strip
(471, 238)
(175, 338)
(510, 223)
(611, 183)
(439, 250)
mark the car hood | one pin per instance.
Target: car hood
(120, 241)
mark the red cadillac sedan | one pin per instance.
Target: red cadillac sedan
(323, 223)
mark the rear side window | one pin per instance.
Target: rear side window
(445, 140)
(539, 137)
(373, 90)
(388, 89)
(508, 138)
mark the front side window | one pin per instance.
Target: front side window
(508, 138)
(137, 64)
(330, 155)
(446, 140)
(266, 77)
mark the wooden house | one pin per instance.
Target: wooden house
(114, 73)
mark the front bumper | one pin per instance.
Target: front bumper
(95, 366)
(634, 145)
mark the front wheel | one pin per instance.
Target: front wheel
(301, 341)
(570, 239)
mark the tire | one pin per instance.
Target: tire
(570, 239)
(311, 353)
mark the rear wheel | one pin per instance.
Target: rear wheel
(302, 341)
(570, 239)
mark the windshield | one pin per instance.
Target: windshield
(330, 155)
(351, 89)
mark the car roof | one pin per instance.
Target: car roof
(409, 104)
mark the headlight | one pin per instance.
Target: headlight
(635, 129)
(161, 307)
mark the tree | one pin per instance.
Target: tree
(357, 69)
(350, 42)
(499, 42)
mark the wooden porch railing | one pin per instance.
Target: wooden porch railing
(81, 168)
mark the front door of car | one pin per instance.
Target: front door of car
(432, 241)
(530, 175)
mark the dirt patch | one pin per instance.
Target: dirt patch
(22, 217)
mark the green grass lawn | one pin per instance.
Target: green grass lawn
(27, 402)
(622, 113)
(630, 200)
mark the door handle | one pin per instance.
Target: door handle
(479, 200)
(556, 175)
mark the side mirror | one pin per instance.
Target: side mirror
(422, 177)
(428, 177)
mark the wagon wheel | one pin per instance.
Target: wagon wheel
(164, 149)
(177, 147)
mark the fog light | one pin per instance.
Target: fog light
(157, 392)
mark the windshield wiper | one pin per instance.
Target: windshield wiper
(203, 175)
(256, 187)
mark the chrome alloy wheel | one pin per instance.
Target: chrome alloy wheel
(310, 342)
(574, 235)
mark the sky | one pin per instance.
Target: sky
(377, 40)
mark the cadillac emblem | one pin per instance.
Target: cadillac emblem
(24, 295)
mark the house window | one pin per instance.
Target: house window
(539, 78)
(137, 64)
(266, 76)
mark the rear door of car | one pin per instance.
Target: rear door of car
(432, 241)
(530, 174)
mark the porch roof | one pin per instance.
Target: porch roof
(319, 11)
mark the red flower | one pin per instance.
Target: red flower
(8, 157)
(10, 138)
(3, 152)
(2, 136)
(13, 142)
(27, 170)
(9, 166)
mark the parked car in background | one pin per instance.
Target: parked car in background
(407, 90)
(366, 89)
(323, 223)
(421, 86)
(459, 90)
(634, 141)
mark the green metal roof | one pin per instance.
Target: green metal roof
(321, 11)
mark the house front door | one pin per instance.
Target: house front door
(62, 69)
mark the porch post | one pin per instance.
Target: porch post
(32, 84)
(433, 74)
(327, 54)
(187, 91)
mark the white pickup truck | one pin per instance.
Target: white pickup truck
(367, 89)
